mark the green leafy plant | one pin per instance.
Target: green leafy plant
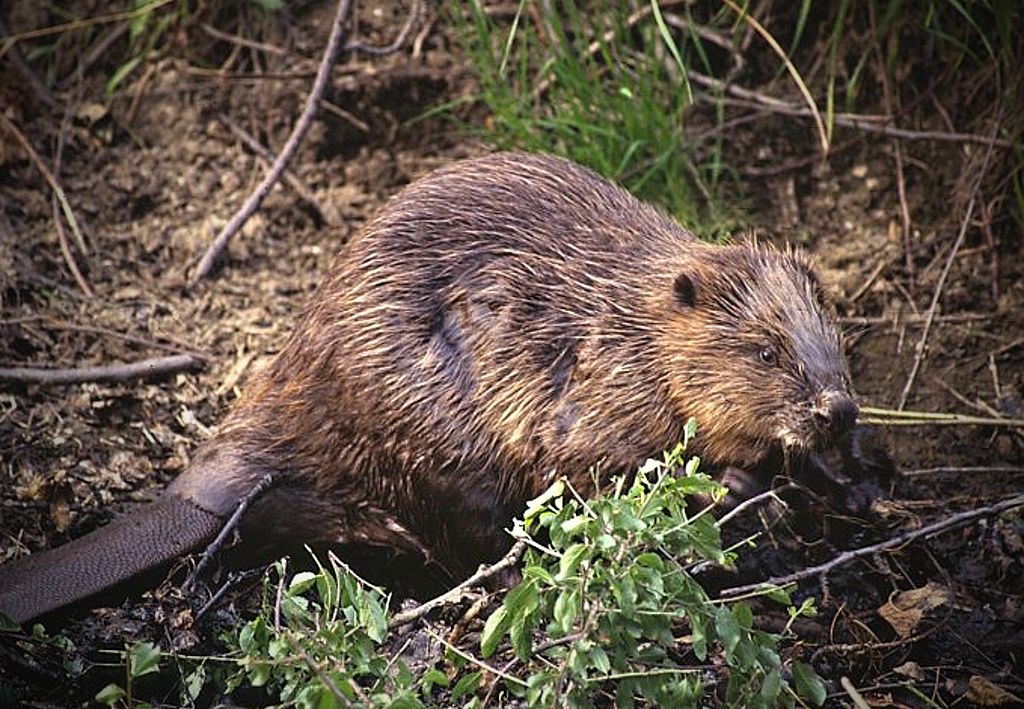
(141, 659)
(318, 643)
(607, 612)
(607, 606)
(605, 86)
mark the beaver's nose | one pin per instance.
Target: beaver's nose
(837, 412)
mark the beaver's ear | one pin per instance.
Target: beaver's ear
(686, 288)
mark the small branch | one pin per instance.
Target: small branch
(268, 157)
(473, 660)
(403, 35)
(50, 180)
(812, 107)
(900, 417)
(963, 470)
(323, 74)
(83, 23)
(933, 308)
(143, 369)
(65, 250)
(62, 234)
(229, 527)
(868, 124)
(890, 99)
(507, 561)
(956, 521)
(320, 670)
(914, 319)
(241, 41)
(21, 66)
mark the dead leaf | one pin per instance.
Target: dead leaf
(985, 694)
(911, 670)
(905, 609)
(242, 362)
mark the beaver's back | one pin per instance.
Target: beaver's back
(502, 322)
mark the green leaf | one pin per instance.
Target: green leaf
(270, 5)
(466, 685)
(143, 659)
(599, 659)
(433, 678)
(779, 594)
(698, 631)
(302, 582)
(520, 634)
(570, 561)
(540, 503)
(808, 684)
(8, 625)
(121, 74)
(772, 686)
(744, 615)
(194, 683)
(494, 629)
(110, 695)
(565, 611)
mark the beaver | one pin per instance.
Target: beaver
(501, 322)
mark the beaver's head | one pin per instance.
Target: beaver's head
(753, 352)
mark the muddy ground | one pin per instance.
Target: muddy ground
(154, 172)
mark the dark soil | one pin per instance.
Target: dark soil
(153, 173)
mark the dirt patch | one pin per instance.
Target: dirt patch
(154, 174)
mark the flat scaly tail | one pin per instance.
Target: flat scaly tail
(106, 560)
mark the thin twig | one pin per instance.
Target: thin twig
(98, 50)
(963, 470)
(48, 176)
(267, 156)
(65, 250)
(229, 527)
(83, 23)
(474, 660)
(891, 417)
(62, 235)
(875, 273)
(507, 561)
(756, 500)
(319, 669)
(868, 124)
(241, 41)
(933, 308)
(143, 369)
(890, 100)
(230, 582)
(40, 89)
(403, 35)
(323, 74)
(986, 223)
(913, 319)
(794, 74)
(171, 345)
(956, 521)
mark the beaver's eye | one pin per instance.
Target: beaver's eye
(768, 356)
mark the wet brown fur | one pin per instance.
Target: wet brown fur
(511, 319)
(502, 322)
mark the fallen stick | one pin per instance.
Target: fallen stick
(143, 369)
(486, 572)
(323, 74)
(960, 519)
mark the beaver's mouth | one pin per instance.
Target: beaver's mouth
(824, 422)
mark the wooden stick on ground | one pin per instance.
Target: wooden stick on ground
(334, 45)
(143, 369)
(953, 522)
